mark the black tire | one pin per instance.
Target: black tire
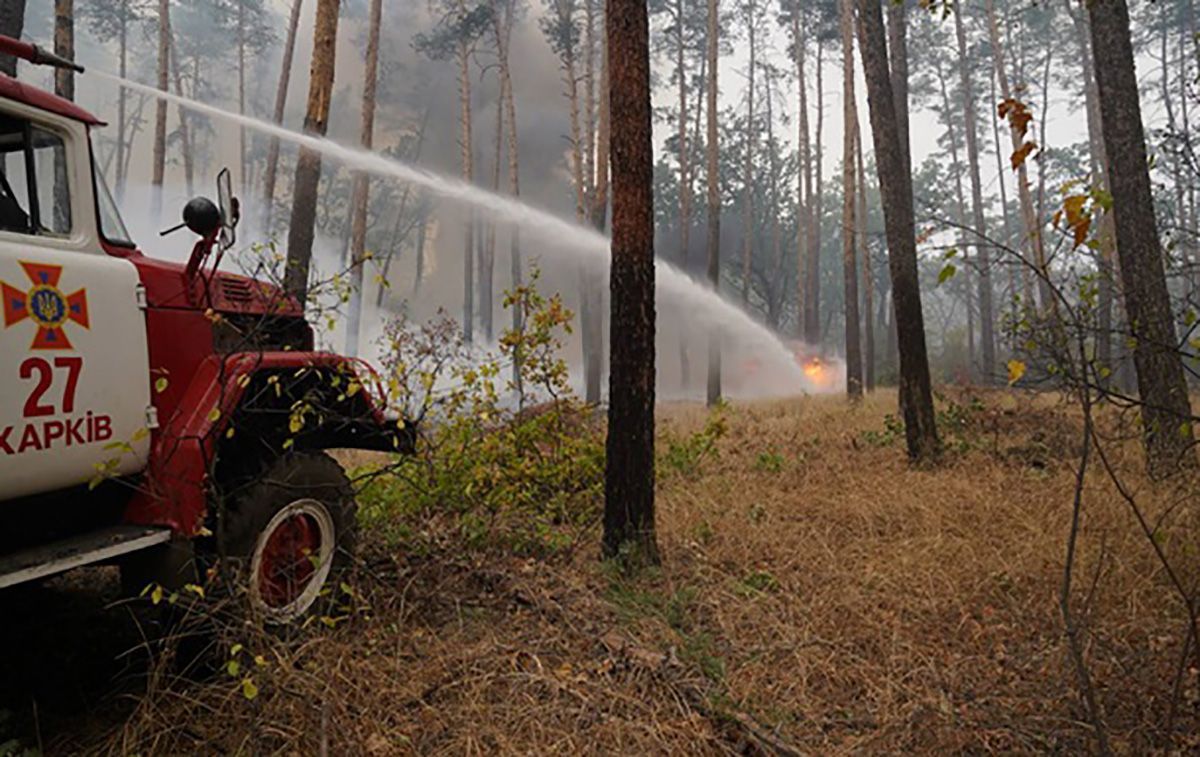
(268, 527)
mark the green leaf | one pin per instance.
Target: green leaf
(160, 384)
(947, 272)
(249, 690)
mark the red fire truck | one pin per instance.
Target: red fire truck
(160, 416)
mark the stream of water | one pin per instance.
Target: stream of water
(705, 310)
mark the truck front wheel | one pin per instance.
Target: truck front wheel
(293, 531)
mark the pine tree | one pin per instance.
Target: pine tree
(1166, 411)
(629, 462)
(308, 166)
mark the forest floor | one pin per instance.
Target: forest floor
(817, 594)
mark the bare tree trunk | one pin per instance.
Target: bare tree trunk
(362, 187)
(1032, 225)
(849, 226)
(987, 336)
(629, 465)
(160, 111)
(960, 206)
(812, 303)
(64, 47)
(803, 176)
(713, 181)
(465, 145)
(594, 363)
(12, 24)
(503, 29)
(685, 195)
(123, 56)
(422, 230)
(868, 276)
(185, 133)
(895, 184)
(591, 310)
(1099, 171)
(748, 164)
(241, 50)
(308, 165)
(897, 30)
(1166, 411)
(285, 74)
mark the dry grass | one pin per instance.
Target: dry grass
(813, 582)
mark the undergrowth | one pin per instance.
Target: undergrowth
(515, 463)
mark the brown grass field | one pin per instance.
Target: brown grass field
(817, 595)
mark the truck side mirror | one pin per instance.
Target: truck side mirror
(229, 208)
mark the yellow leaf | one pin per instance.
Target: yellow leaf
(249, 690)
(160, 384)
(1016, 369)
(214, 415)
(156, 595)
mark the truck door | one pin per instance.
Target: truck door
(74, 382)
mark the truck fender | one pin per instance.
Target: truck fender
(238, 403)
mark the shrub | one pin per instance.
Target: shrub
(521, 469)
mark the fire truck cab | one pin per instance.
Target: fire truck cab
(169, 418)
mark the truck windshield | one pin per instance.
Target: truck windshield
(112, 228)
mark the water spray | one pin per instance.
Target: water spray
(704, 307)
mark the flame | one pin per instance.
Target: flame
(813, 369)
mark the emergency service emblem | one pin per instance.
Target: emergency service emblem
(45, 305)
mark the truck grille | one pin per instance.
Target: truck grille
(236, 290)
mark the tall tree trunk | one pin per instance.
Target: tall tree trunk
(487, 265)
(960, 205)
(1099, 177)
(1014, 269)
(713, 181)
(591, 314)
(776, 294)
(895, 185)
(1166, 411)
(898, 72)
(685, 194)
(589, 97)
(503, 27)
(64, 46)
(123, 56)
(12, 24)
(812, 303)
(362, 187)
(804, 177)
(241, 51)
(868, 277)
(897, 30)
(987, 336)
(1032, 225)
(748, 161)
(160, 111)
(594, 363)
(281, 92)
(849, 226)
(185, 132)
(466, 143)
(308, 165)
(64, 86)
(629, 464)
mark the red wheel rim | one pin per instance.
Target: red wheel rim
(288, 560)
